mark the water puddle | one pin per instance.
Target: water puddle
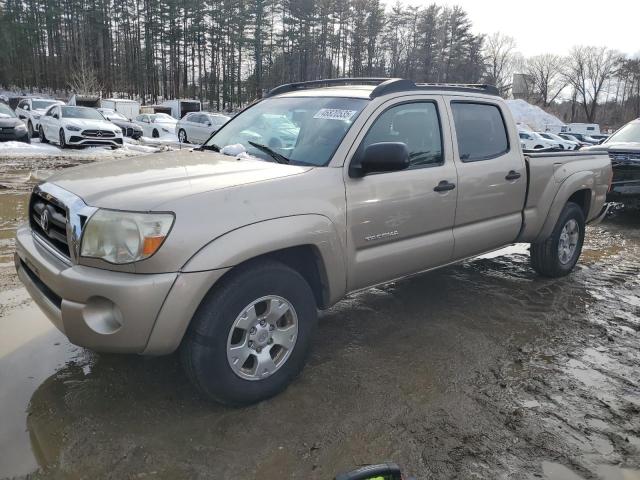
(31, 350)
(13, 207)
(556, 471)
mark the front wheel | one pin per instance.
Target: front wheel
(182, 136)
(43, 138)
(558, 254)
(251, 335)
(62, 140)
(155, 133)
(30, 129)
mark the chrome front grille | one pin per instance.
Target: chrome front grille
(48, 218)
(57, 218)
(98, 134)
(618, 158)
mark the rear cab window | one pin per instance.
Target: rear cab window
(480, 130)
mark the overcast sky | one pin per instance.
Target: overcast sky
(554, 26)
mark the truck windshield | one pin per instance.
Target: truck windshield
(629, 133)
(305, 130)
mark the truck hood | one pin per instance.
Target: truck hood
(614, 146)
(151, 181)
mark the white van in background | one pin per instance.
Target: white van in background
(180, 107)
(581, 128)
(129, 108)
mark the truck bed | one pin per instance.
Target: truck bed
(549, 176)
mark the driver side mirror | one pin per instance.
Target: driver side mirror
(381, 157)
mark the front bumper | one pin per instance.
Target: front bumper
(110, 311)
(13, 135)
(80, 140)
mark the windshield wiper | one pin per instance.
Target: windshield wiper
(278, 157)
(213, 147)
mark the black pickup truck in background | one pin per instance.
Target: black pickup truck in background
(623, 148)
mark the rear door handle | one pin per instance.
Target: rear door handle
(512, 175)
(444, 186)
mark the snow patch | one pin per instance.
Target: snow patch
(531, 117)
(35, 149)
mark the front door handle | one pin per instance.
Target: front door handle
(512, 175)
(444, 186)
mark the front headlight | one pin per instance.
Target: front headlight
(72, 128)
(36, 116)
(124, 237)
(21, 127)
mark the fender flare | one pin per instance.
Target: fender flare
(250, 241)
(573, 183)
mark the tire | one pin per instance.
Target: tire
(30, 129)
(155, 133)
(546, 256)
(182, 136)
(204, 350)
(62, 140)
(43, 139)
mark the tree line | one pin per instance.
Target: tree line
(227, 52)
(590, 84)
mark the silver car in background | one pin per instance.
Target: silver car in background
(197, 127)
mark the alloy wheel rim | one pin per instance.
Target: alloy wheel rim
(568, 242)
(262, 338)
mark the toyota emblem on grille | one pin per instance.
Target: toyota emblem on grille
(44, 221)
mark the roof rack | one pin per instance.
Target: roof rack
(386, 85)
(400, 85)
(329, 82)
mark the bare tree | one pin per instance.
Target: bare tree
(545, 74)
(588, 68)
(84, 79)
(501, 59)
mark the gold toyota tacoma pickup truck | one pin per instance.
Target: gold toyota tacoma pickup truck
(227, 251)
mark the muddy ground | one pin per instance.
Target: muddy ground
(480, 370)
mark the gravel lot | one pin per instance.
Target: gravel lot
(480, 370)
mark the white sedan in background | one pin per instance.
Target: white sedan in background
(197, 127)
(534, 141)
(564, 144)
(68, 125)
(156, 125)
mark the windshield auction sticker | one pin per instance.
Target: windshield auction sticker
(335, 114)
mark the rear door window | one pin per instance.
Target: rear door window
(480, 130)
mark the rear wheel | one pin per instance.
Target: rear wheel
(182, 136)
(30, 129)
(250, 335)
(43, 139)
(62, 139)
(558, 254)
